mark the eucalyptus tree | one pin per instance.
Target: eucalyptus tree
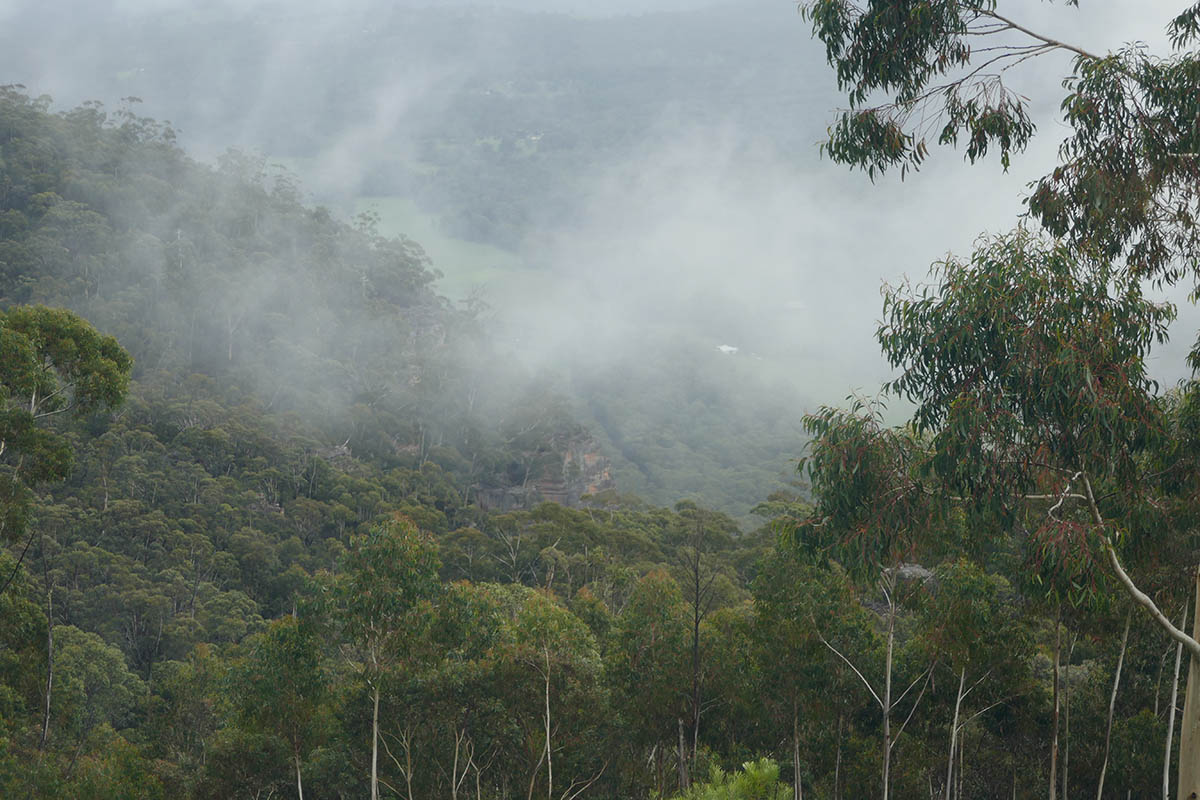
(790, 595)
(872, 512)
(1027, 366)
(279, 687)
(1126, 189)
(698, 535)
(463, 718)
(52, 363)
(381, 604)
(95, 687)
(549, 643)
(985, 647)
(922, 73)
(647, 667)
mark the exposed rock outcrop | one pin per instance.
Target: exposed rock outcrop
(561, 474)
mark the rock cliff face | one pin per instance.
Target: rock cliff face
(562, 473)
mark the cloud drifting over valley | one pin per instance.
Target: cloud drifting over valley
(701, 211)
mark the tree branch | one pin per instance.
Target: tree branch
(571, 792)
(917, 702)
(1046, 39)
(1140, 597)
(983, 710)
(856, 672)
(17, 566)
(976, 684)
(916, 680)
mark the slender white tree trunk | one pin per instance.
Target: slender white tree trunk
(1066, 764)
(1189, 728)
(408, 767)
(375, 743)
(299, 783)
(837, 762)
(797, 790)
(549, 751)
(962, 764)
(682, 759)
(49, 665)
(1054, 724)
(887, 695)
(1112, 704)
(454, 767)
(1171, 711)
(962, 679)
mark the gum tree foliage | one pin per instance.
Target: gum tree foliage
(873, 512)
(52, 362)
(922, 72)
(95, 686)
(279, 686)
(1027, 366)
(870, 506)
(648, 668)
(757, 780)
(982, 646)
(382, 602)
(1125, 191)
(797, 673)
(1028, 369)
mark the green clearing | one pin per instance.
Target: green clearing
(465, 266)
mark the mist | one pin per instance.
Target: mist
(624, 187)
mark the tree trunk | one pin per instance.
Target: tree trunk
(375, 743)
(1112, 705)
(797, 789)
(299, 783)
(837, 762)
(454, 767)
(962, 764)
(549, 751)
(49, 666)
(1066, 763)
(962, 679)
(408, 767)
(1054, 716)
(659, 769)
(682, 758)
(887, 695)
(1189, 734)
(1171, 712)
(1189, 727)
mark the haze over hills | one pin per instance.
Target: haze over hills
(415, 414)
(541, 178)
(626, 192)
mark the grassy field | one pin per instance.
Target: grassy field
(465, 265)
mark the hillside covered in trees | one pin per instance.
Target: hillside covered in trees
(505, 143)
(276, 514)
